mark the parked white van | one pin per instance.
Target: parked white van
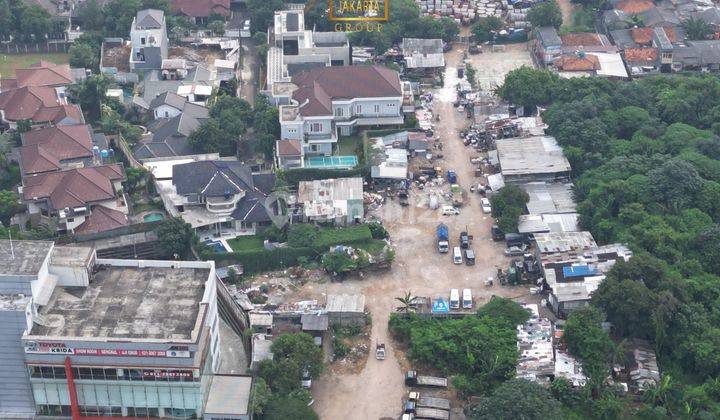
(457, 255)
(467, 302)
(450, 211)
(454, 299)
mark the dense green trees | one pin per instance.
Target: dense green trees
(646, 167)
(485, 27)
(528, 87)
(479, 352)
(516, 399)
(696, 29)
(175, 238)
(90, 95)
(546, 14)
(507, 206)
(24, 21)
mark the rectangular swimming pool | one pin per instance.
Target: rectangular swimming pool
(336, 162)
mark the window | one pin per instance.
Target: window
(377, 109)
(167, 114)
(339, 112)
(316, 127)
(313, 147)
(142, 41)
(70, 219)
(358, 109)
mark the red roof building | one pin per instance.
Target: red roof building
(200, 8)
(47, 149)
(41, 104)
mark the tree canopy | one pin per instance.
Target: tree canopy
(546, 14)
(175, 238)
(507, 206)
(516, 399)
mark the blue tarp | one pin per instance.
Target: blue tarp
(440, 305)
(578, 271)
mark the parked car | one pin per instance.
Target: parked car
(306, 380)
(515, 251)
(485, 203)
(450, 211)
(457, 255)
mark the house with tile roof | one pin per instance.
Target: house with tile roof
(42, 73)
(40, 104)
(169, 136)
(219, 198)
(55, 148)
(335, 101)
(63, 200)
(200, 10)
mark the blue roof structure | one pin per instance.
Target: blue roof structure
(578, 271)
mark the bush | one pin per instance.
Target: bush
(275, 234)
(262, 260)
(338, 262)
(378, 231)
(340, 349)
(302, 235)
(351, 236)
(292, 177)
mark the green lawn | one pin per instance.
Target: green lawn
(373, 246)
(349, 145)
(10, 62)
(246, 243)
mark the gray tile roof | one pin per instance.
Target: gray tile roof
(149, 19)
(168, 98)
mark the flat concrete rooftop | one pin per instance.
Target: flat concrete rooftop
(23, 258)
(531, 155)
(127, 302)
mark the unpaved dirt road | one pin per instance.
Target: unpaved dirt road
(566, 8)
(377, 391)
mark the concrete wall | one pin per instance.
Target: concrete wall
(16, 398)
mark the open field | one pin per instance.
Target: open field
(10, 62)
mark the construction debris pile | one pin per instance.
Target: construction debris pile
(535, 348)
(463, 11)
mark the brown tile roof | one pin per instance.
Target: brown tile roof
(581, 39)
(73, 187)
(44, 73)
(6, 84)
(102, 219)
(45, 148)
(635, 6)
(644, 36)
(320, 86)
(576, 63)
(289, 148)
(25, 102)
(641, 56)
(200, 8)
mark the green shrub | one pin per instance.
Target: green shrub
(258, 261)
(338, 262)
(302, 235)
(340, 349)
(352, 235)
(377, 230)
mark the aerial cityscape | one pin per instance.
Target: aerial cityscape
(360, 210)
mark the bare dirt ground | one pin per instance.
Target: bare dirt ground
(491, 67)
(378, 390)
(566, 7)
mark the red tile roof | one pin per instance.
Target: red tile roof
(320, 86)
(289, 148)
(581, 39)
(102, 219)
(635, 6)
(200, 8)
(73, 187)
(44, 73)
(576, 63)
(641, 56)
(45, 148)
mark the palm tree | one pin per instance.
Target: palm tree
(696, 29)
(660, 393)
(407, 301)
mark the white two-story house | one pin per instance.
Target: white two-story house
(334, 101)
(148, 36)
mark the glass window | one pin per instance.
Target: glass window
(111, 374)
(47, 372)
(34, 372)
(85, 373)
(98, 374)
(59, 372)
(135, 374)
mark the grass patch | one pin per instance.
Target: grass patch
(142, 207)
(349, 145)
(372, 246)
(10, 62)
(246, 243)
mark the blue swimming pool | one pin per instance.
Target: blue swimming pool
(337, 162)
(217, 246)
(152, 217)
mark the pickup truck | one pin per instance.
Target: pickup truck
(413, 379)
(428, 402)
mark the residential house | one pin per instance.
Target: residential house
(169, 136)
(219, 198)
(289, 154)
(42, 73)
(294, 49)
(547, 45)
(387, 163)
(332, 101)
(697, 55)
(55, 148)
(200, 10)
(338, 200)
(423, 55)
(64, 200)
(148, 37)
(40, 104)
(167, 105)
(196, 85)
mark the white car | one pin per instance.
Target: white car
(450, 211)
(485, 203)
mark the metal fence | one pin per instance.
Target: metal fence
(35, 48)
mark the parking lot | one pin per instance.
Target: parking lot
(378, 390)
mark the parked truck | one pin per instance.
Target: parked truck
(431, 413)
(442, 238)
(413, 379)
(428, 402)
(452, 176)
